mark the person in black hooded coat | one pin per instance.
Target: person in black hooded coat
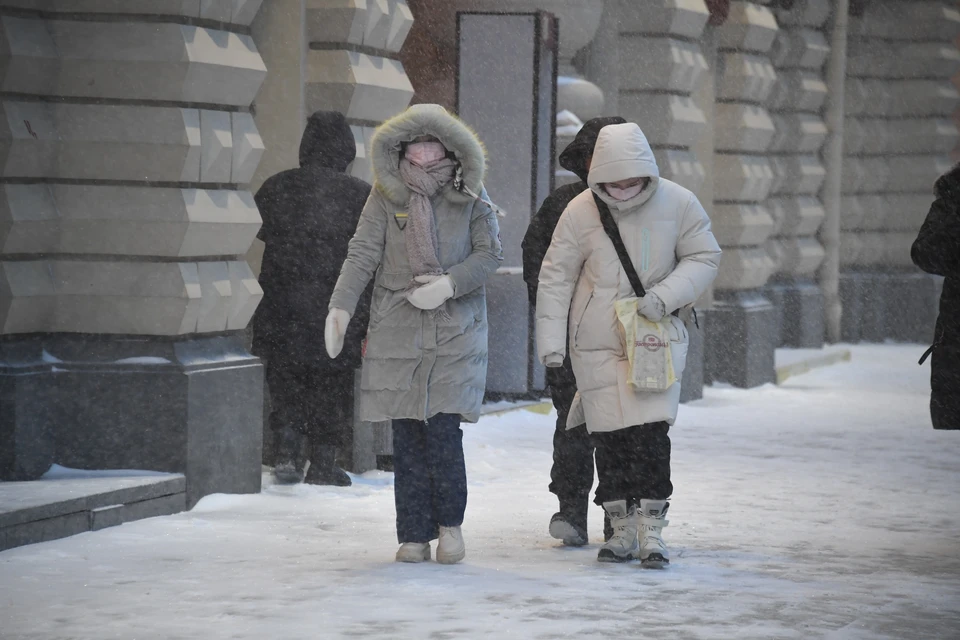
(309, 215)
(571, 477)
(937, 250)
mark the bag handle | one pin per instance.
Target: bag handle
(613, 231)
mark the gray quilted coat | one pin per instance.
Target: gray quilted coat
(418, 364)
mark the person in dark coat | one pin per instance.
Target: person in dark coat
(937, 250)
(571, 477)
(309, 215)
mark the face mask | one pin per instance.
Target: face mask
(624, 194)
(423, 154)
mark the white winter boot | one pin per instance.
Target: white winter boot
(450, 548)
(623, 545)
(414, 552)
(651, 519)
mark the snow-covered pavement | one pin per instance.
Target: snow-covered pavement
(825, 508)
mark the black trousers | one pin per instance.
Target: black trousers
(316, 402)
(571, 476)
(633, 464)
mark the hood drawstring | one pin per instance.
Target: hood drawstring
(461, 186)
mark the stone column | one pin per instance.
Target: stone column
(798, 54)
(660, 64)
(898, 139)
(353, 66)
(742, 330)
(127, 144)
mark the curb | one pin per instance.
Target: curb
(817, 362)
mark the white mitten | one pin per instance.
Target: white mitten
(335, 330)
(432, 295)
(651, 307)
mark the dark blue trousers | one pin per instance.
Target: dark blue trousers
(430, 477)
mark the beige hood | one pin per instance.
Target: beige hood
(622, 152)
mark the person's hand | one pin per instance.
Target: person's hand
(431, 295)
(553, 361)
(335, 330)
(651, 307)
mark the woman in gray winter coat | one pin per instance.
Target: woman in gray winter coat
(431, 238)
(666, 234)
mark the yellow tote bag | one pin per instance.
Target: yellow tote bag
(648, 348)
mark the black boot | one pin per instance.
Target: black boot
(570, 523)
(288, 463)
(323, 468)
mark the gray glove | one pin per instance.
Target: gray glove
(651, 307)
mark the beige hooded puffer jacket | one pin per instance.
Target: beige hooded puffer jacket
(667, 235)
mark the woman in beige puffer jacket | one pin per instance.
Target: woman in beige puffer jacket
(667, 235)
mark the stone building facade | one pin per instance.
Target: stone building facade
(134, 133)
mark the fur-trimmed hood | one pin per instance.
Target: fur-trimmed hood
(422, 120)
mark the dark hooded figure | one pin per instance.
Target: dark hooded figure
(937, 251)
(571, 477)
(309, 215)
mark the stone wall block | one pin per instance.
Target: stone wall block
(112, 142)
(746, 77)
(797, 132)
(27, 297)
(742, 127)
(136, 60)
(246, 295)
(378, 24)
(852, 248)
(742, 178)
(806, 13)
(401, 21)
(921, 98)
(681, 166)
(667, 119)
(798, 175)
(800, 48)
(336, 21)
(800, 256)
(744, 268)
(239, 12)
(938, 21)
(852, 213)
(741, 225)
(906, 211)
(922, 135)
(223, 67)
(361, 167)
(863, 97)
(685, 18)
(865, 136)
(801, 215)
(248, 148)
(875, 212)
(660, 64)
(864, 175)
(215, 293)
(360, 86)
(140, 298)
(219, 223)
(882, 59)
(798, 90)
(915, 173)
(216, 135)
(749, 27)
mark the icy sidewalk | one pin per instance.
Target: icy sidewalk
(826, 508)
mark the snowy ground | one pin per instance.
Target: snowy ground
(826, 508)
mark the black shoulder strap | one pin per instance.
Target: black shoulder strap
(610, 226)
